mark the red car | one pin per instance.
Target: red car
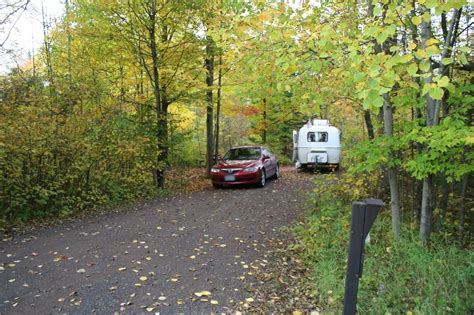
(245, 165)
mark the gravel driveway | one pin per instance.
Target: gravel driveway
(192, 253)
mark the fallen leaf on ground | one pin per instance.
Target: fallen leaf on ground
(202, 293)
(143, 278)
(214, 302)
(122, 269)
(82, 270)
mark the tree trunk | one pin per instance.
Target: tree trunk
(427, 198)
(462, 209)
(426, 209)
(210, 103)
(392, 170)
(47, 49)
(161, 121)
(368, 123)
(218, 109)
(386, 114)
(432, 116)
(264, 115)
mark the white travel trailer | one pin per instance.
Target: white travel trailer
(317, 143)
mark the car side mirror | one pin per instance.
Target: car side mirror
(266, 157)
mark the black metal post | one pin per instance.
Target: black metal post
(363, 217)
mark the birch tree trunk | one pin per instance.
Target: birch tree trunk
(432, 116)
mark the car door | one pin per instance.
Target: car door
(274, 161)
(270, 164)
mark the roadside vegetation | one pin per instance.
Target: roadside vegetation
(399, 276)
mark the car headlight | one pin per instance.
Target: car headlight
(214, 170)
(251, 169)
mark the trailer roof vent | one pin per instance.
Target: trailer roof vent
(320, 122)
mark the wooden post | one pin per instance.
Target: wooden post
(363, 217)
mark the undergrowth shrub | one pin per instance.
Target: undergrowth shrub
(399, 276)
(58, 165)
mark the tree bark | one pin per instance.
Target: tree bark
(210, 102)
(433, 108)
(427, 198)
(368, 123)
(161, 122)
(392, 170)
(47, 48)
(218, 109)
(264, 114)
(462, 209)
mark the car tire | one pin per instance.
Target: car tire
(216, 186)
(277, 172)
(263, 179)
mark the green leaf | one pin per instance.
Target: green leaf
(359, 76)
(389, 78)
(382, 37)
(373, 84)
(316, 66)
(377, 10)
(412, 69)
(451, 88)
(425, 67)
(426, 88)
(443, 82)
(432, 50)
(406, 58)
(430, 4)
(416, 20)
(373, 100)
(374, 71)
(447, 61)
(436, 93)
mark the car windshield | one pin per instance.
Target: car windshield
(243, 154)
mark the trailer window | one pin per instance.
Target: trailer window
(317, 137)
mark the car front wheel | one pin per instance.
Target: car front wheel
(263, 178)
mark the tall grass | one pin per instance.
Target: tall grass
(399, 276)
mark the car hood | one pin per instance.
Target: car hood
(237, 163)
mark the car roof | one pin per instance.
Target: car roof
(248, 147)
